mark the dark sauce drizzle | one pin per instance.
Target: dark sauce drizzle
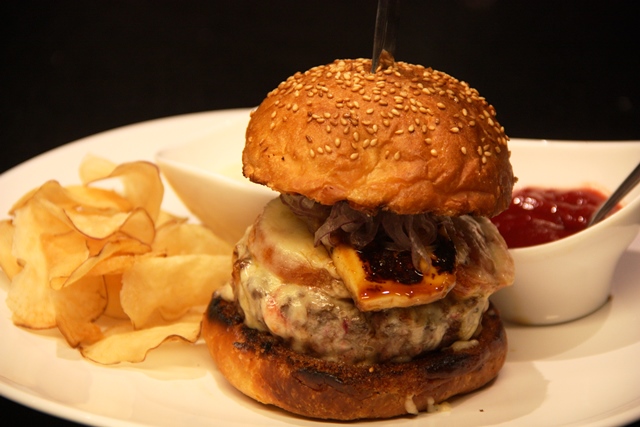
(383, 264)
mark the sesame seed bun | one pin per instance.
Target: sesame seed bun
(407, 139)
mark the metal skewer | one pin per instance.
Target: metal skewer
(384, 37)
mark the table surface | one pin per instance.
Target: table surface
(553, 70)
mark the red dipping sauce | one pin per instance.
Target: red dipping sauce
(542, 215)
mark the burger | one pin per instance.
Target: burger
(362, 291)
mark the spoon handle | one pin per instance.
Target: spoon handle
(626, 186)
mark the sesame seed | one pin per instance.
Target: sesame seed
(464, 150)
(396, 156)
(312, 153)
(354, 156)
(394, 95)
(434, 152)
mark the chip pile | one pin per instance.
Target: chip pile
(105, 265)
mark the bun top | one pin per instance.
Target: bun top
(406, 138)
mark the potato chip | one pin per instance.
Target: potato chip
(40, 215)
(117, 264)
(61, 198)
(123, 344)
(29, 299)
(113, 285)
(93, 168)
(136, 224)
(98, 200)
(29, 296)
(8, 263)
(156, 289)
(63, 254)
(124, 245)
(185, 238)
(142, 185)
(106, 266)
(77, 306)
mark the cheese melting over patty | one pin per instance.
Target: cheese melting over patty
(287, 286)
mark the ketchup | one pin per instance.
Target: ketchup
(542, 215)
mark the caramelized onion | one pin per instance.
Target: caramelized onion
(340, 222)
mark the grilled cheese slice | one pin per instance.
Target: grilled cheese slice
(375, 293)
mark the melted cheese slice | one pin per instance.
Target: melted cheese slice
(371, 295)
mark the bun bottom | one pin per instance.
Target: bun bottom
(265, 369)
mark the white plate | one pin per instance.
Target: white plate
(583, 373)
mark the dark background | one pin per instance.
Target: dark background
(565, 69)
